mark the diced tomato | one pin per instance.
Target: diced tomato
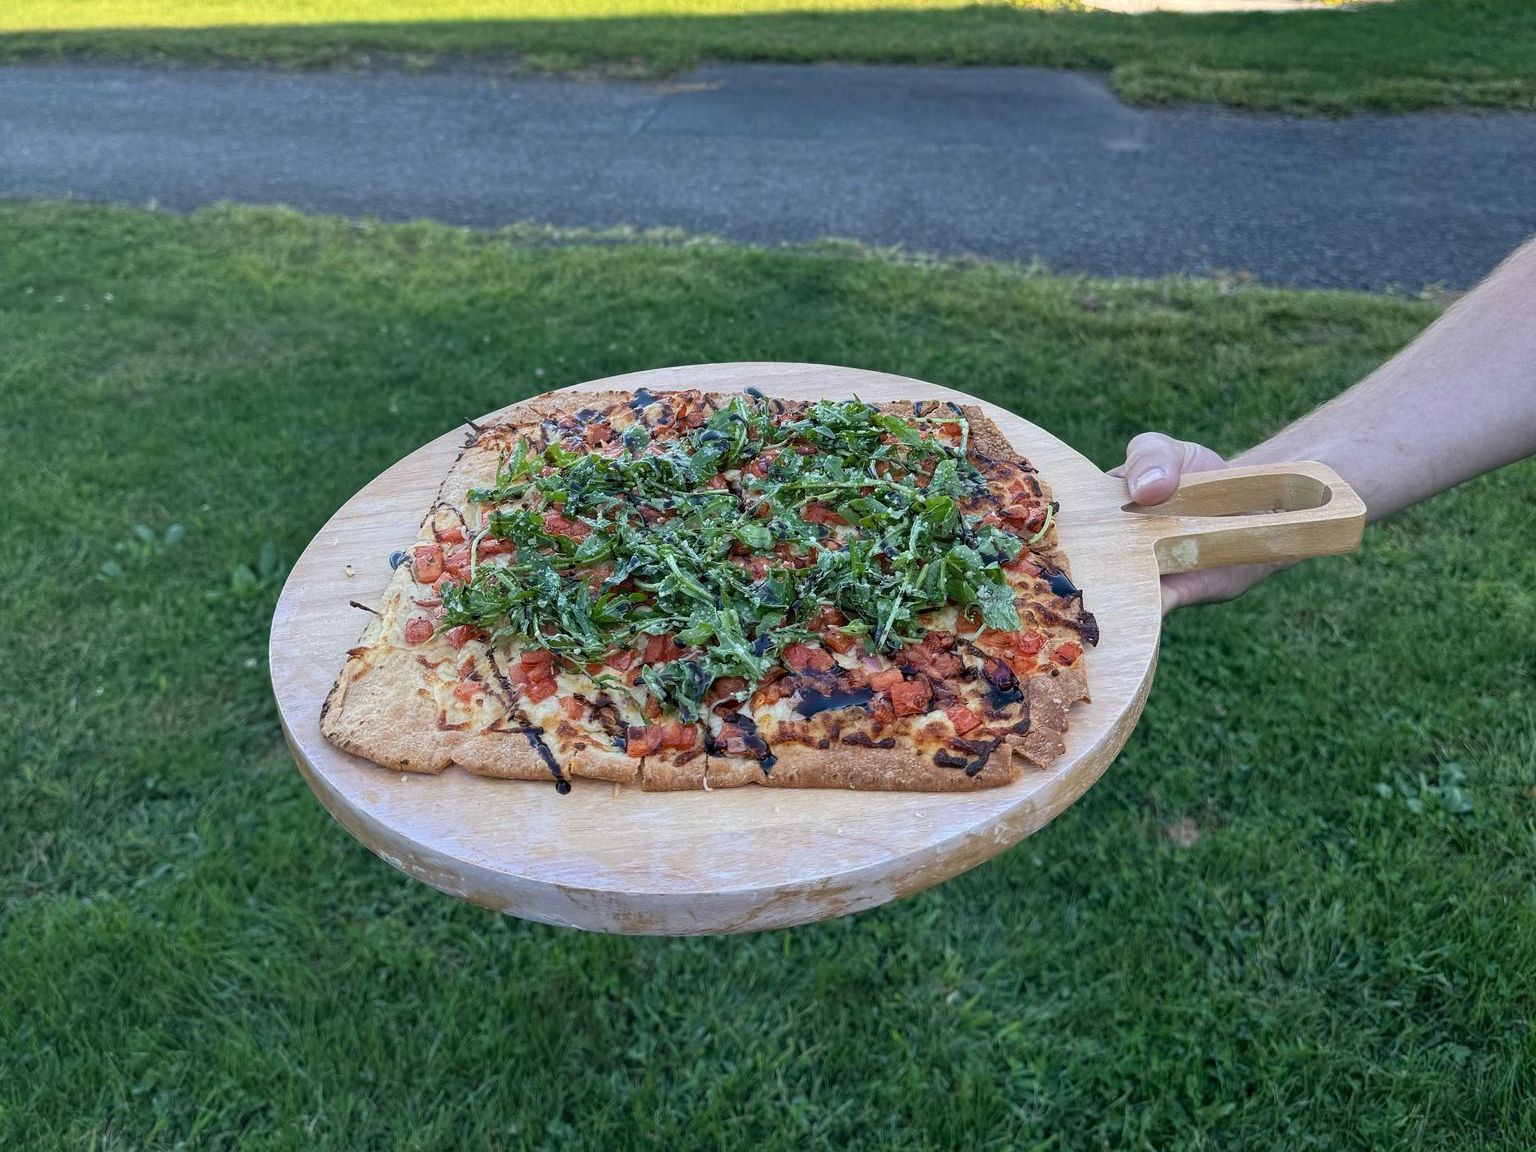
(418, 630)
(770, 691)
(537, 690)
(676, 734)
(597, 574)
(620, 660)
(427, 601)
(933, 655)
(466, 690)
(537, 662)
(802, 656)
(962, 718)
(786, 552)
(516, 675)
(491, 546)
(660, 649)
(427, 562)
(950, 428)
(820, 514)
(933, 660)
(454, 535)
(1028, 517)
(461, 635)
(598, 432)
(756, 566)
(759, 467)
(643, 741)
(911, 697)
(1031, 642)
(837, 640)
(1024, 563)
(457, 562)
(723, 687)
(827, 615)
(886, 679)
(718, 480)
(558, 524)
(573, 708)
(1067, 653)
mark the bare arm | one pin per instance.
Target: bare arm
(1457, 402)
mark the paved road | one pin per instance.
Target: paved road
(1004, 163)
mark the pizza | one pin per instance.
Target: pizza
(695, 590)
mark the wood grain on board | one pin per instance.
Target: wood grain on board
(622, 860)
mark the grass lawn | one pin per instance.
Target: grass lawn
(1299, 912)
(1398, 56)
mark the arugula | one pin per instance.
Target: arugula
(736, 575)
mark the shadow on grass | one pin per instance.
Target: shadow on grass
(1408, 55)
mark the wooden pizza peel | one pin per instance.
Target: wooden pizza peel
(613, 859)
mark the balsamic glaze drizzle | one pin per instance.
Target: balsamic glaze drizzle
(813, 702)
(536, 738)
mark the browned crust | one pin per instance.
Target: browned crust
(602, 764)
(662, 774)
(1050, 696)
(381, 708)
(905, 768)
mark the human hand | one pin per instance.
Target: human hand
(1154, 465)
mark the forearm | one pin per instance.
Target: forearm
(1457, 402)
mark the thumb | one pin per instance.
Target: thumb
(1155, 463)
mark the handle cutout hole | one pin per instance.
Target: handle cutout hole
(1216, 494)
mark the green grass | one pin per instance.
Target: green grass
(1398, 56)
(1299, 912)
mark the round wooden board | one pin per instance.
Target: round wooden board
(622, 860)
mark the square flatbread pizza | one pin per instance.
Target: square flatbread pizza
(696, 590)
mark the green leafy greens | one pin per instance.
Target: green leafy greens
(736, 576)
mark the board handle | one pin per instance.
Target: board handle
(1260, 514)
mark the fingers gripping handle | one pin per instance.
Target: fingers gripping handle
(1262, 514)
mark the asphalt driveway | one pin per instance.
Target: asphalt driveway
(1003, 163)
